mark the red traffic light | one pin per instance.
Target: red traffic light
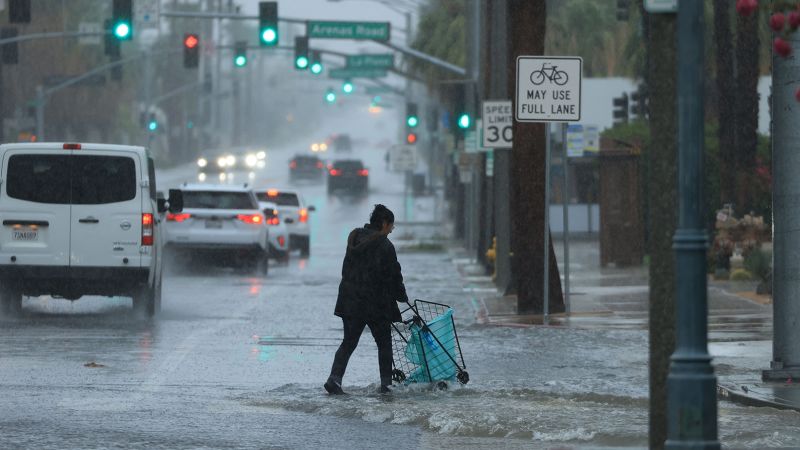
(190, 41)
(411, 138)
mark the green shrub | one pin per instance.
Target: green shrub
(759, 262)
(741, 275)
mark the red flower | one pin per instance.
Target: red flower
(746, 7)
(781, 47)
(777, 22)
(794, 20)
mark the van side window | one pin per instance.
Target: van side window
(151, 175)
(39, 178)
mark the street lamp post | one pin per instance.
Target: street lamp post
(691, 383)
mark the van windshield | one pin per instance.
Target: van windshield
(65, 179)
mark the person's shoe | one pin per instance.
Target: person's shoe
(385, 389)
(333, 388)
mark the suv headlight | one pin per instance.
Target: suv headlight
(202, 162)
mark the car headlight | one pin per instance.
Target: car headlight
(222, 161)
(261, 155)
(202, 162)
(231, 160)
(251, 160)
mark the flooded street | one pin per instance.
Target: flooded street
(235, 361)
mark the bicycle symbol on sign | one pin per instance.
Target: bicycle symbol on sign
(556, 76)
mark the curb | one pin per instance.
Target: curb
(735, 394)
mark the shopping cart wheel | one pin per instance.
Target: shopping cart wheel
(398, 375)
(441, 385)
(462, 377)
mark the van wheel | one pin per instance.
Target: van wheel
(147, 300)
(11, 301)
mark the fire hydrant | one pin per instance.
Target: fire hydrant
(491, 255)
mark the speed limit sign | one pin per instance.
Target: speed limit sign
(497, 120)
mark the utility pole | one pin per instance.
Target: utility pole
(662, 176)
(498, 90)
(691, 383)
(786, 237)
(527, 169)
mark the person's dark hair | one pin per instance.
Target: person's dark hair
(381, 215)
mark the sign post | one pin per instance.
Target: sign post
(549, 90)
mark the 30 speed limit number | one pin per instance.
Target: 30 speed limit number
(498, 118)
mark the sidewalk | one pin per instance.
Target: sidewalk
(740, 322)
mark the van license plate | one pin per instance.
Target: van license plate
(25, 235)
(213, 224)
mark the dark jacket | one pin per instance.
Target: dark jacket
(371, 280)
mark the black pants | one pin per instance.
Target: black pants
(353, 328)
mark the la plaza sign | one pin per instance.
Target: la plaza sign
(548, 89)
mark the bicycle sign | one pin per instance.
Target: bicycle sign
(548, 89)
(551, 74)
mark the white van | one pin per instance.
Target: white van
(80, 219)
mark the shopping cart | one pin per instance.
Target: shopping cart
(425, 346)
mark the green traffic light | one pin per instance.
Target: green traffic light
(316, 68)
(122, 30)
(240, 61)
(153, 125)
(269, 36)
(412, 121)
(347, 87)
(330, 97)
(464, 121)
(301, 62)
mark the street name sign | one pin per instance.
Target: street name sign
(548, 89)
(379, 61)
(498, 119)
(402, 158)
(661, 6)
(356, 73)
(376, 31)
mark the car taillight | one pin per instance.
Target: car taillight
(281, 241)
(147, 229)
(68, 146)
(303, 215)
(335, 172)
(254, 219)
(320, 165)
(179, 217)
(292, 165)
(363, 172)
(273, 221)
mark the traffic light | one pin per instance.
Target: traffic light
(464, 121)
(411, 138)
(152, 124)
(191, 50)
(316, 63)
(621, 109)
(268, 23)
(111, 45)
(412, 119)
(639, 103)
(623, 10)
(19, 11)
(347, 87)
(301, 52)
(240, 54)
(10, 52)
(330, 95)
(122, 20)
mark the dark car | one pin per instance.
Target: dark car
(348, 174)
(303, 167)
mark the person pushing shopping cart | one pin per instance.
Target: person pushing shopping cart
(426, 346)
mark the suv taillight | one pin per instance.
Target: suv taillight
(293, 165)
(147, 229)
(179, 217)
(363, 172)
(254, 219)
(303, 215)
(335, 172)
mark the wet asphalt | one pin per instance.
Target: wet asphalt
(236, 361)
